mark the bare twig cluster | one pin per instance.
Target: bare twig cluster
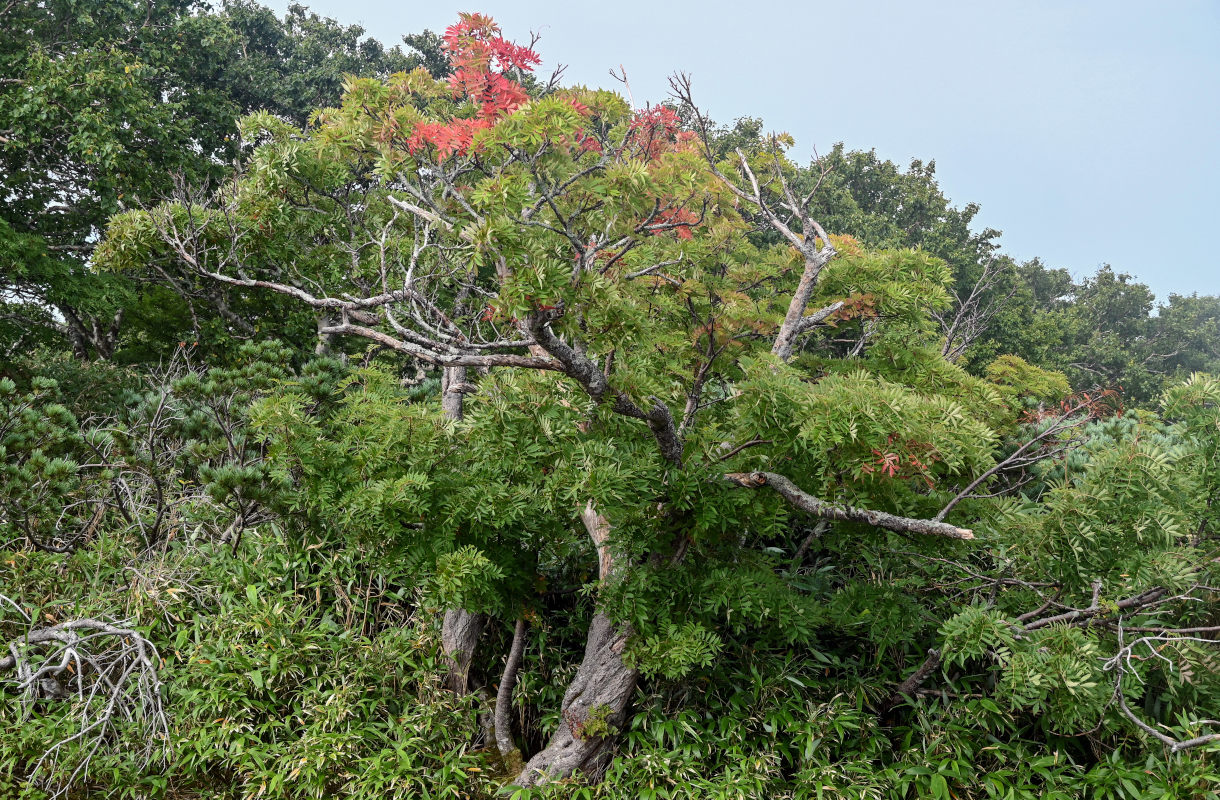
(1152, 647)
(971, 315)
(106, 671)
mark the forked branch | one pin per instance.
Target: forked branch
(796, 224)
(108, 671)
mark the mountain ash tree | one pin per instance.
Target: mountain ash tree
(664, 386)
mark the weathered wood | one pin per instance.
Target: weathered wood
(460, 631)
(839, 511)
(601, 688)
(453, 386)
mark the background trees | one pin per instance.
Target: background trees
(104, 106)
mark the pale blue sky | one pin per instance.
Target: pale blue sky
(1088, 131)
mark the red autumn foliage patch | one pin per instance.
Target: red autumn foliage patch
(481, 59)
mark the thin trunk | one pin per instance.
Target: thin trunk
(326, 341)
(595, 704)
(816, 533)
(793, 324)
(460, 629)
(912, 682)
(504, 701)
(105, 339)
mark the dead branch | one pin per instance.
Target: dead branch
(1018, 458)
(973, 315)
(807, 237)
(839, 511)
(1120, 664)
(913, 681)
(110, 669)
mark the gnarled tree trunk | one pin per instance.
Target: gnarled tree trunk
(601, 689)
(599, 693)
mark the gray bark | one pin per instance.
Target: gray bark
(590, 376)
(845, 513)
(87, 332)
(602, 687)
(460, 629)
(326, 341)
(602, 684)
(913, 681)
(453, 387)
(460, 632)
(504, 701)
(795, 321)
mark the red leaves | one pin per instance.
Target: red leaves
(481, 59)
(679, 220)
(657, 130)
(495, 94)
(1095, 405)
(474, 43)
(455, 137)
(863, 306)
(887, 463)
(587, 143)
(485, 68)
(901, 465)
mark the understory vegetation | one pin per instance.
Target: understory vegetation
(407, 424)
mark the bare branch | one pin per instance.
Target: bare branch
(1120, 664)
(589, 375)
(445, 359)
(114, 672)
(1064, 422)
(818, 317)
(838, 511)
(972, 316)
(805, 241)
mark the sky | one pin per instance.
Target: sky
(1088, 131)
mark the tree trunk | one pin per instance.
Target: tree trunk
(460, 629)
(509, 752)
(460, 632)
(453, 386)
(595, 704)
(325, 346)
(601, 690)
(76, 332)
